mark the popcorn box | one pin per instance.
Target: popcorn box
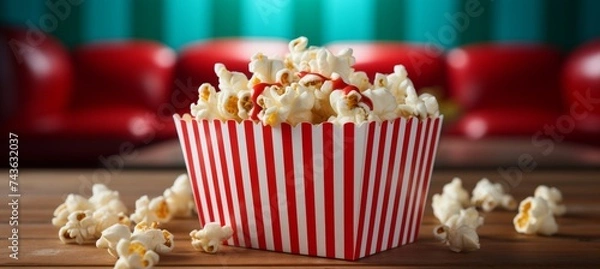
(321, 190)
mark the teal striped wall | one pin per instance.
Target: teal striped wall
(564, 23)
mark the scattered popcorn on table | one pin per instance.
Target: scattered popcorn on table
(158, 240)
(488, 196)
(151, 210)
(111, 236)
(535, 216)
(103, 197)
(179, 197)
(444, 207)
(459, 232)
(453, 198)
(553, 197)
(72, 203)
(134, 254)
(80, 228)
(209, 238)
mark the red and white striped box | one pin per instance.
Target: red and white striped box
(322, 190)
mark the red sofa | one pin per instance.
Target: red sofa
(106, 98)
(78, 108)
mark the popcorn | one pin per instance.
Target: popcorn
(455, 191)
(553, 198)
(349, 106)
(445, 207)
(179, 197)
(290, 104)
(459, 232)
(453, 198)
(111, 236)
(103, 197)
(150, 211)
(73, 203)
(206, 107)
(488, 196)
(209, 238)
(134, 254)
(105, 218)
(535, 216)
(158, 240)
(459, 239)
(80, 228)
(313, 85)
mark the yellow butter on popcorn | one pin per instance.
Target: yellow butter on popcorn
(489, 196)
(134, 254)
(209, 238)
(155, 210)
(72, 203)
(535, 217)
(553, 197)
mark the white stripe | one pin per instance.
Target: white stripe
(370, 190)
(263, 185)
(244, 160)
(239, 231)
(220, 175)
(200, 178)
(387, 229)
(382, 179)
(411, 203)
(405, 179)
(209, 173)
(300, 189)
(416, 220)
(360, 151)
(282, 197)
(338, 191)
(319, 179)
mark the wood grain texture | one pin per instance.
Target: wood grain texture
(576, 245)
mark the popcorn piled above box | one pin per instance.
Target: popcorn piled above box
(312, 85)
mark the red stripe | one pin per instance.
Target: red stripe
(388, 183)
(221, 146)
(365, 188)
(204, 181)
(191, 168)
(411, 180)
(213, 168)
(309, 185)
(377, 182)
(349, 190)
(430, 158)
(328, 168)
(272, 185)
(253, 167)
(403, 162)
(235, 154)
(419, 180)
(290, 185)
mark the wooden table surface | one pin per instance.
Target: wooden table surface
(576, 245)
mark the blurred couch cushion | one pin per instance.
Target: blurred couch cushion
(504, 89)
(425, 65)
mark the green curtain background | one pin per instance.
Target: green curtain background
(563, 23)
